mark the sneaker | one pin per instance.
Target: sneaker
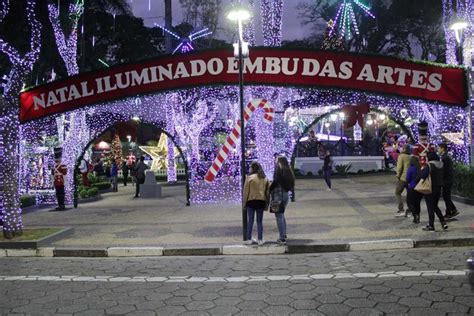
(400, 214)
(452, 215)
(445, 226)
(429, 228)
(261, 242)
(416, 219)
(250, 242)
(281, 241)
(329, 189)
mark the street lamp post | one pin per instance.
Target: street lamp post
(458, 26)
(240, 14)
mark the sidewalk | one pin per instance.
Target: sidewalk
(358, 209)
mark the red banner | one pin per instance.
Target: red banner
(266, 66)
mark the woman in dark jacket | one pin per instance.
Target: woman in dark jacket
(435, 169)
(283, 182)
(414, 197)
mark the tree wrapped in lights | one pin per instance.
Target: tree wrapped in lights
(332, 39)
(116, 149)
(271, 11)
(72, 128)
(190, 125)
(67, 45)
(21, 66)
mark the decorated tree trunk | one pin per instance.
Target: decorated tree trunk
(9, 129)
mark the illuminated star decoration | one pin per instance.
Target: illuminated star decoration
(159, 153)
(345, 17)
(186, 43)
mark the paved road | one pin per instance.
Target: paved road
(427, 281)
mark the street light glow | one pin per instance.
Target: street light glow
(458, 26)
(238, 13)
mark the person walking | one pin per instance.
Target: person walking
(435, 170)
(451, 210)
(283, 182)
(84, 170)
(114, 175)
(327, 169)
(255, 200)
(125, 173)
(414, 197)
(403, 163)
(140, 169)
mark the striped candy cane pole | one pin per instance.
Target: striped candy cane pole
(235, 134)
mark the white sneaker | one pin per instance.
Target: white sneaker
(329, 189)
(400, 214)
(251, 242)
(261, 242)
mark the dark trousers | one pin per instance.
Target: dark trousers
(125, 179)
(137, 186)
(327, 177)
(60, 194)
(432, 205)
(450, 207)
(414, 201)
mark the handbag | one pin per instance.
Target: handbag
(276, 203)
(424, 186)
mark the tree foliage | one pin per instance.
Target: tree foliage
(413, 33)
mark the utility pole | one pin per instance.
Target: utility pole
(168, 22)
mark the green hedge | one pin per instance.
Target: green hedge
(27, 200)
(102, 185)
(463, 184)
(86, 193)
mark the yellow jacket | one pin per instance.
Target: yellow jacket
(256, 188)
(403, 163)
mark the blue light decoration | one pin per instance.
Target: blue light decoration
(345, 17)
(186, 43)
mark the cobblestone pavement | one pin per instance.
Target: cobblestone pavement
(359, 208)
(426, 281)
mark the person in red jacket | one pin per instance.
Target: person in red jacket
(59, 173)
(423, 147)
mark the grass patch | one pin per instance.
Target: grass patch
(32, 234)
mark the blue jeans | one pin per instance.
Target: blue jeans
(250, 218)
(281, 224)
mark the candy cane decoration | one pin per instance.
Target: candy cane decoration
(235, 134)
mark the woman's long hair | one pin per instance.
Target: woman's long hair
(283, 174)
(255, 167)
(415, 162)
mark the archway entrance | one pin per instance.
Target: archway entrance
(194, 98)
(123, 144)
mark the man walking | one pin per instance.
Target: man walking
(403, 163)
(451, 210)
(140, 169)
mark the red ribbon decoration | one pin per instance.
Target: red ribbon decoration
(355, 113)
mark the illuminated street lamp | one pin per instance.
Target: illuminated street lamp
(458, 26)
(240, 14)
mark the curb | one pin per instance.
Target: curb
(36, 244)
(236, 250)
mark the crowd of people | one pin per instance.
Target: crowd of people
(110, 169)
(425, 172)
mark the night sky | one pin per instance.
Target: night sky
(292, 28)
